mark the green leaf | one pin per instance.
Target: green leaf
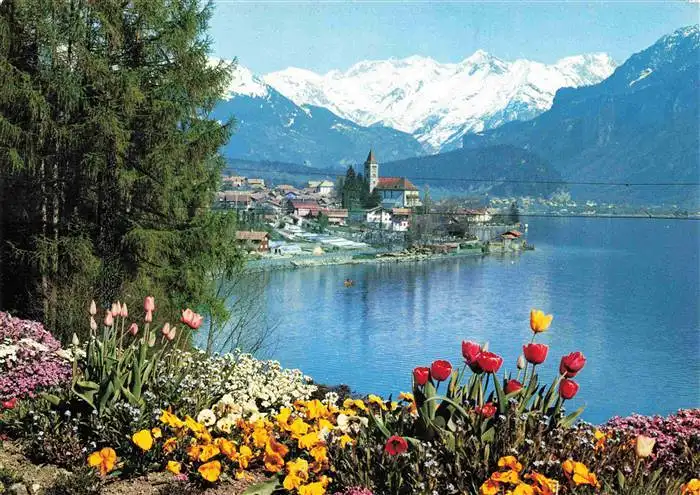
(264, 488)
(54, 400)
(620, 479)
(379, 424)
(568, 420)
(488, 435)
(87, 385)
(502, 403)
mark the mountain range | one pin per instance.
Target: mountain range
(640, 125)
(439, 103)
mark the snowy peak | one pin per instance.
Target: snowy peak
(440, 102)
(244, 82)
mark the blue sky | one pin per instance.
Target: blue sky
(320, 36)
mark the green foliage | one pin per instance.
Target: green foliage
(109, 157)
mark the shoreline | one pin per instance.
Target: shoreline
(291, 262)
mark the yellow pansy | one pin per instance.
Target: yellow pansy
(315, 488)
(273, 462)
(226, 447)
(193, 425)
(345, 439)
(309, 440)
(298, 428)
(319, 453)
(174, 467)
(511, 462)
(104, 460)
(315, 409)
(210, 471)
(260, 436)
(297, 474)
(547, 486)
(170, 445)
(208, 451)
(489, 487)
(244, 456)
(156, 433)
(283, 418)
(276, 447)
(524, 489)
(539, 322)
(375, 399)
(691, 488)
(171, 420)
(194, 451)
(407, 396)
(324, 424)
(509, 476)
(143, 440)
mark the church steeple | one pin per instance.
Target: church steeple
(371, 170)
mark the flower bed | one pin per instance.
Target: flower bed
(31, 360)
(139, 403)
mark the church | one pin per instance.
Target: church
(396, 192)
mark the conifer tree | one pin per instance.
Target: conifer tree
(108, 159)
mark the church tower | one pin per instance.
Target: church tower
(371, 170)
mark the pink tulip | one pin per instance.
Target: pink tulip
(124, 312)
(166, 329)
(149, 317)
(191, 319)
(149, 304)
(93, 308)
(134, 329)
(116, 309)
(171, 334)
(109, 319)
(93, 324)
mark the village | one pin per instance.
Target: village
(319, 219)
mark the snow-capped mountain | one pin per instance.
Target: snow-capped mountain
(270, 127)
(439, 103)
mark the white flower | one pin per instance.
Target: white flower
(225, 424)
(206, 417)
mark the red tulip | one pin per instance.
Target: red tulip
(571, 364)
(9, 404)
(568, 389)
(441, 370)
(421, 375)
(149, 304)
(535, 353)
(191, 319)
(487, 410)
(513, 386)
(396, 445)
(470, 351)
(489, 362)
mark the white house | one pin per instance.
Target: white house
(380, 216)
(394, 191)
(400, 219)
(325, 188)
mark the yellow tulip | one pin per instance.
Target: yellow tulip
(174, 467)
(143, 440)
(104, 460)
(644, 446)
(539, 322)
(210, 471)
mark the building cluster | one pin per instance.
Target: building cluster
(319, 198)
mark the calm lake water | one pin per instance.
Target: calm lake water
(625, 292)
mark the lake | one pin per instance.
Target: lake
(624, 292)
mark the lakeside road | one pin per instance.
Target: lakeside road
(360, 258)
